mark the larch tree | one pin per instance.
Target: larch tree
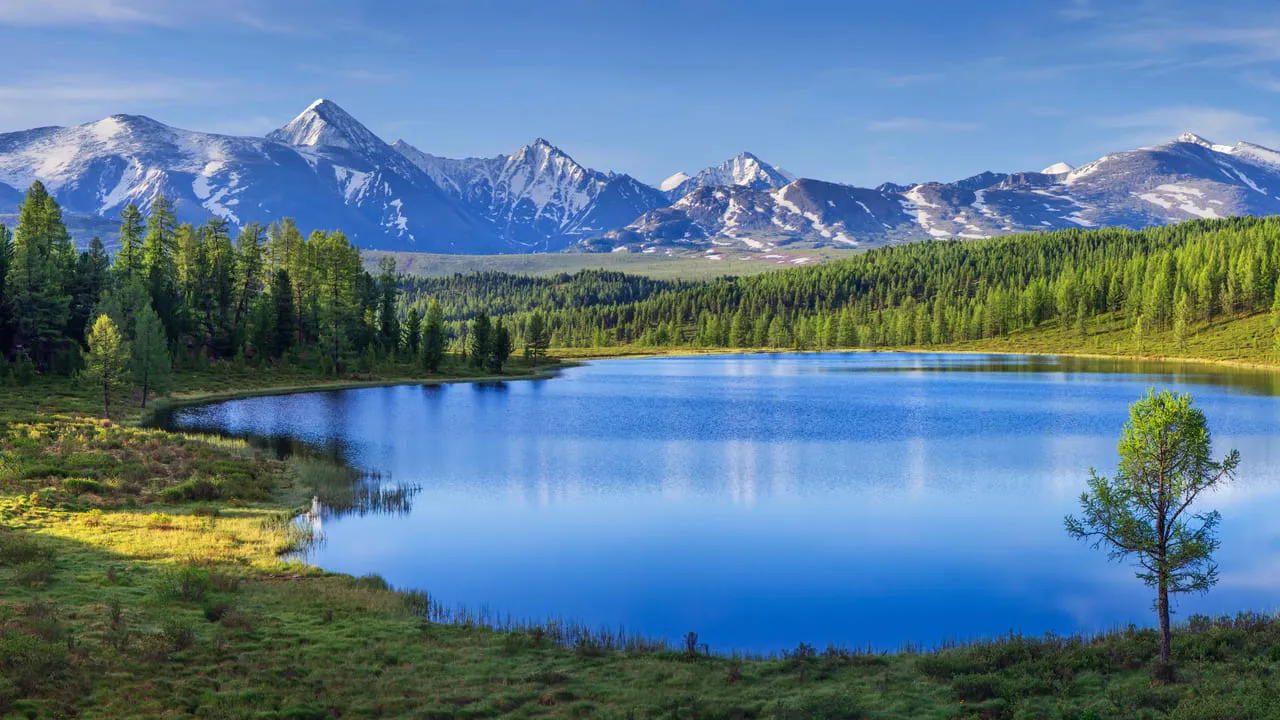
(1147, 511)
(499, 347)
(128, 265)
(480, 341)
(433, 340)
(35, 290)
(149, 356)
(108, 366)
(536, 338)
(283, 327)
(413, 332)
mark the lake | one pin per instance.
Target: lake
(866, 500)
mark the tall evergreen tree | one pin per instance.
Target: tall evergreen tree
(433, 339)
(108, 365)
(413, 332)
(129, 259)
(536, 338)
(388, 321)
(149, 356)
(159, 266)
(283, 324)
(34, 287)
(249, 269)
(91, 278)
(480, 341)
(499, 347)
(6, 320)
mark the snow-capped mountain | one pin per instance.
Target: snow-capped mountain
(1184, 179)
(324, 169)
(538, 198)
(327, 170)
(743, 170)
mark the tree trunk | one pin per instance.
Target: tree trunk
(1163, 608)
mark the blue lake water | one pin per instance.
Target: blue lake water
(765, 500)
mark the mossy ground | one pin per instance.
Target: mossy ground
(141, 576)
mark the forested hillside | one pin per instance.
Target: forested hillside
(1177, 279)
(185, 295)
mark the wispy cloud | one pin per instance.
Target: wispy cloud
(76, 99)
(919, 124)
(1079, 11)
(910, 79)
(354, 74)
(1217, 124)
(1264, 81)
(132, 13)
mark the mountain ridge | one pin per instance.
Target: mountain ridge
(328, 170)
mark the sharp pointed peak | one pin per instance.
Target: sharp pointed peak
(1190, 137)
(325, 123)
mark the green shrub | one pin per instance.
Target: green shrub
(1134, 694)
(29, 662)
(35, 574)
(17, 549)
(976, 688)
(217, 608)
(949, 664)
(371, 582)
(829, 704)
(189, 583)
(179, 632)
(198, 489)
(80, 486)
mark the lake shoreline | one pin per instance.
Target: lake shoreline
(588, 354)
(174, 400)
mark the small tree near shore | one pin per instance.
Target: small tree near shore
(108, 365)
(1145, 511)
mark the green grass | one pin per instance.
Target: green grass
(1242, 342)
(684, 266)
(141, 575)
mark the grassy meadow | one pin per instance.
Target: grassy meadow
(146, 574)
(679, 266)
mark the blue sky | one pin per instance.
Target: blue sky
(852, 91)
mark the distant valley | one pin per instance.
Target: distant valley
(327, 170)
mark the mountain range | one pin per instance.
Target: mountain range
(327, 170)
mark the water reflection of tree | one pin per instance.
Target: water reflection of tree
(1159, 372)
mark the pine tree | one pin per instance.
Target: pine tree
(283, 324)
(413, 332)
(149, 359)
(537, 339)
(108, 360)
(128, 264)
(480, 340)
(499, 347)
(92, 277)
(388, 322)
(249, 266)
(6, 259)
(159, 265)
(433, 337)
(34, 286)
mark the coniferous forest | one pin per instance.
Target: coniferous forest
(186, 295)
(1171, 279)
